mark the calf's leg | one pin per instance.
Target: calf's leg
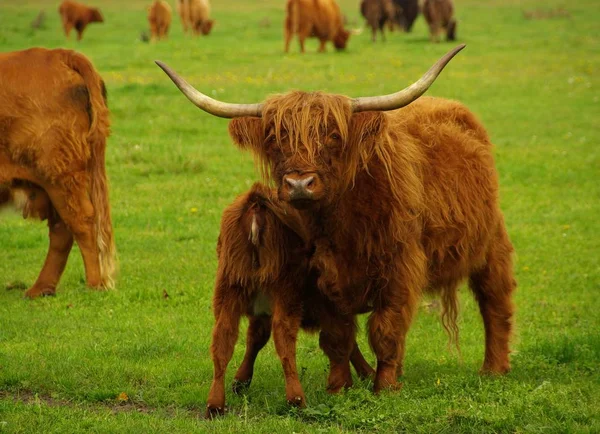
(338, 341)
(259, 332)
(287, 317)
(228, 311)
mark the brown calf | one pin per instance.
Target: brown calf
(54, 128)
(319, 18)
(77, 15)
(263, 273)
(377, 13)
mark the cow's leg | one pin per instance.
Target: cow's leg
(67, 26)
(72, 202)
(338, 341)
(287, 316)
(288, 37)
(389, 323)
(228, 311)
(373, 33)
(322, 43)
(259, 332)
(362, 367)
(493, 286)
(61, 241)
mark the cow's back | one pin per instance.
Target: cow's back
(460, 186)
(33, 113)
(322, 17)
(199, 10)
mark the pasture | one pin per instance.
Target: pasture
(136, 359)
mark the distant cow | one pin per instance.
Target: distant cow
(377, 13)
(406, 12)
(439, 15)
(399, 200)
(195, 15)
(77, 15)
(159, 17)
(264, 270)
(315, 18)
(54, 127)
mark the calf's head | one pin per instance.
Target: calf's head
(311, 144)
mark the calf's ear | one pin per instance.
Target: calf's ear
(247, 133)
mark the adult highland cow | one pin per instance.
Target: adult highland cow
(53, 130)
(398, 201)
(319, 18)
(264, 273)
(439, 15)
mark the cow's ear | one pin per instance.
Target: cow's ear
(366, 125)
(248, 133)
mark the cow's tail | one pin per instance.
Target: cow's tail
(449, 296)
(98, 132)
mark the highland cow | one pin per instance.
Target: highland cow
(399, 199)
(53, 136)
(77, 15)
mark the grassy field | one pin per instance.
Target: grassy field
(131, 360)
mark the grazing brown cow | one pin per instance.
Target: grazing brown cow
(377, 13)
(407, 12)
(439, 15)
(159, 17)
(53, 130)
(195, 15)
(77, 15)
(319, 18)
(397, 203)
(263, 273)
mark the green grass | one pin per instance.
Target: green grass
(534, 83)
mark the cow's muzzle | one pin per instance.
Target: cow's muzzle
(301, 190)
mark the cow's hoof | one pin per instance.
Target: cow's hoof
(297, 401)
(213, 411)
(240, 387)
(393, 387)
(35, 292)
(495, 370)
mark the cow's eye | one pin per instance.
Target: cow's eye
(270, 139)
(335, 136)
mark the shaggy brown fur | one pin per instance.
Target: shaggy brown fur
(377, 13)
(195, 15)
(159, 17)
(439, 15)
(53, 132)
(263, 273)
(77, 15)
(397, 203)
(319, 18)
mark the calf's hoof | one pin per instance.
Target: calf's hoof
(213, 411)
(36, 291)
(240, 387)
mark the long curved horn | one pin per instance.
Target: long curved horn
(406, 96)
(208, 104)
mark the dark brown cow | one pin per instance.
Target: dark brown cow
(397, 203)
(77, 15)
(159, 18)
(406, 12)
(439, 15)
(263, 273)
(53, 130)
(319, 18)
(377, 13)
